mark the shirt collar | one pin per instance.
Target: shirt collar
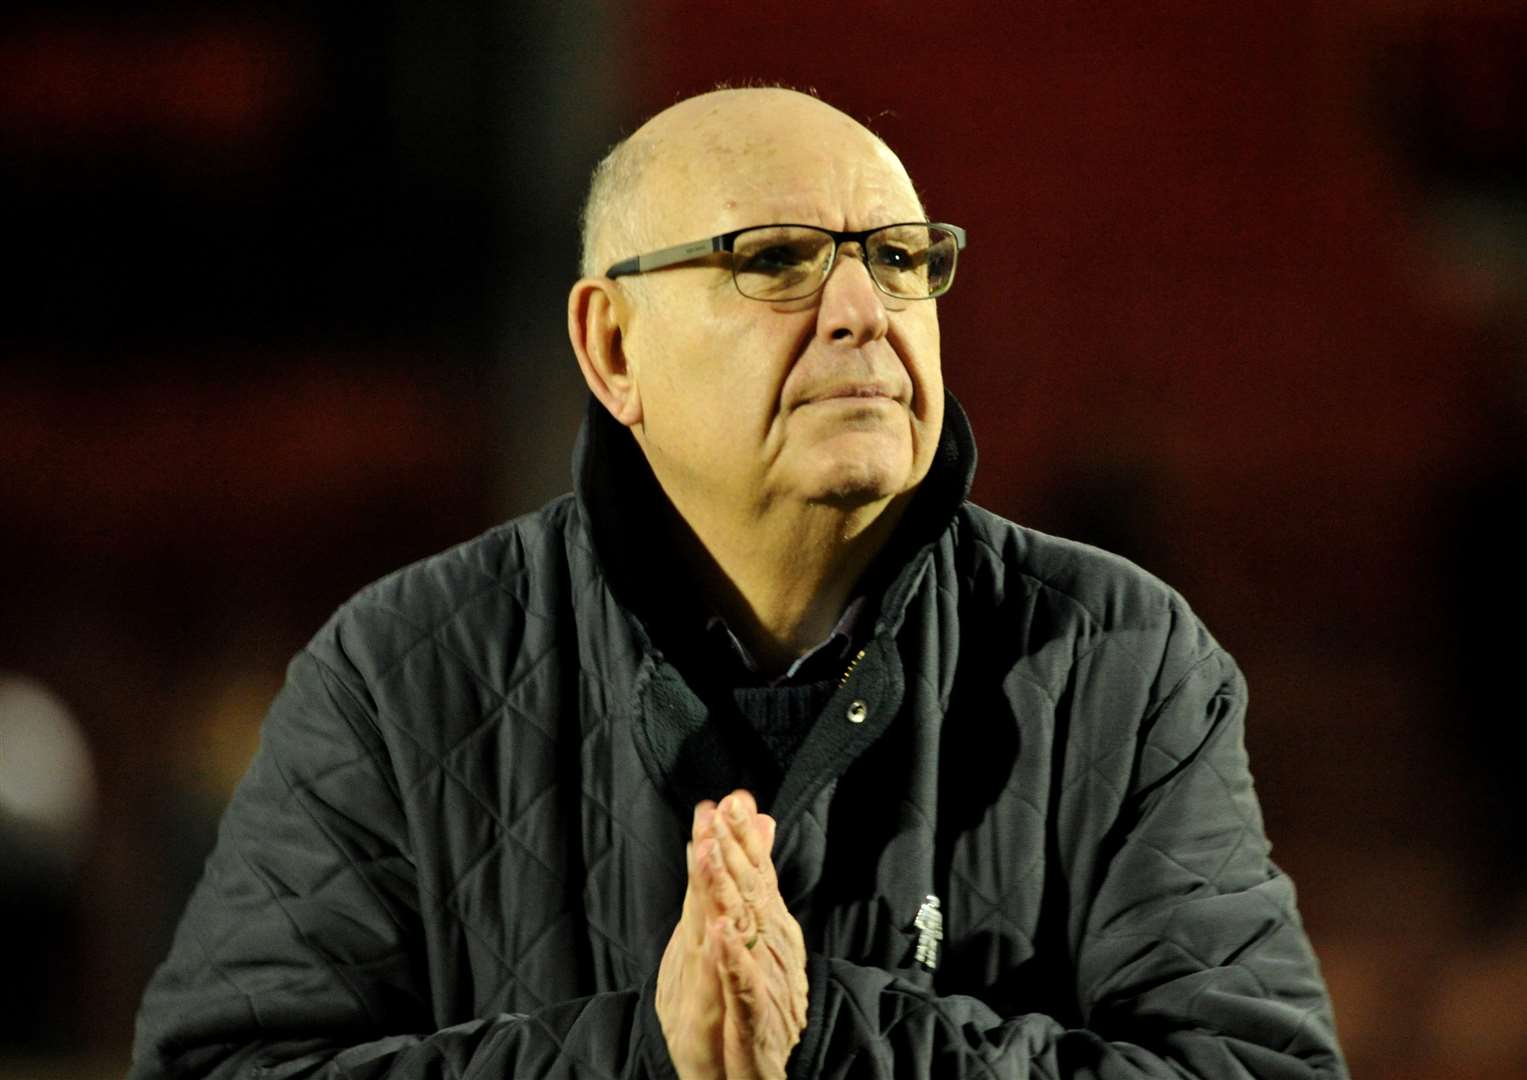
(823, 660)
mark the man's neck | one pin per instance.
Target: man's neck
(781, 580)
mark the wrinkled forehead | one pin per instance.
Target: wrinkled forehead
(836, 174)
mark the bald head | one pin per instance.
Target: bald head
(698, 153)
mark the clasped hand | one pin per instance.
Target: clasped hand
(731, 989)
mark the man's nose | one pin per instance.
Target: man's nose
(853, 310)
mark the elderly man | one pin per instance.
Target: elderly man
(766, 753)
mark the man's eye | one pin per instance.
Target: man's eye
(896, 258)
(777, 259)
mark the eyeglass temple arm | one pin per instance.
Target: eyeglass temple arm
(959, 233)
(656, 260)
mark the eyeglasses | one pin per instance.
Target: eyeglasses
(909, 261)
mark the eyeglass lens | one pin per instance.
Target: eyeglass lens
(788, 262)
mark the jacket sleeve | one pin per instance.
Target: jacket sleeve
(1187, 954)
(300, 953)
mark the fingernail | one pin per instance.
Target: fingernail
(734, 809)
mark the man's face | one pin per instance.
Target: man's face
(834, 399)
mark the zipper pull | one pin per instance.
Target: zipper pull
(930, 931)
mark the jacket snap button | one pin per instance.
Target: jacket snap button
(857, 712)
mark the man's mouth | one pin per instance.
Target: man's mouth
(852, 391)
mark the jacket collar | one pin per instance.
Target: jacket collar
(617, 494)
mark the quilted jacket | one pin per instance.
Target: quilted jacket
(459, 851)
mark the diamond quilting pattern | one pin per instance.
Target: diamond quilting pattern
(450, 831)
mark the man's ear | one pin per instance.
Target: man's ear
(596, 310)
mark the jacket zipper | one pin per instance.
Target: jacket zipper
(851, 665)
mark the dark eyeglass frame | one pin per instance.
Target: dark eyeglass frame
(697, 249)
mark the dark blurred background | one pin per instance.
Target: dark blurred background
(1245, 300)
